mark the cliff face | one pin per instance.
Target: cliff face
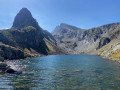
(27, 36)
(9, 52)
(78, 41)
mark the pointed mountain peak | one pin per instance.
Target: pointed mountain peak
(25, 11)
(63, 24)
(24, 18)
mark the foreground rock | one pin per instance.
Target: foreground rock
(4, 68)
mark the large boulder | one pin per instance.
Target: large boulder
(3, 67)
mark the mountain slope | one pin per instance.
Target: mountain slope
(80, 41)
(112, 49)
(27, 36)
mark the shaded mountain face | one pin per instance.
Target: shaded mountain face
(28, 37)
(24, 18)
(79, 41)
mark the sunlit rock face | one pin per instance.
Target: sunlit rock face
(84, 41)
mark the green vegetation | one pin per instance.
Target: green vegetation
(116, 55)
(9, 52)
(111, 50)
(26, 52)
(6, 33)
(50, 47)
(29, 28)
(51, 40)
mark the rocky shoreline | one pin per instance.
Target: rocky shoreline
(113, 60)
(4, 68)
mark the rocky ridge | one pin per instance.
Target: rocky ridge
(80, 41)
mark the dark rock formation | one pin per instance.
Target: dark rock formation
(3, 67)
(9, 52)
(103, 41)
(24, 18)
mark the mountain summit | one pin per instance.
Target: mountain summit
(26, 39)
(24, 18)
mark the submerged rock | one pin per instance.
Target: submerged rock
(22, 88)
(9, 70)
(97, 71)
(79, 71)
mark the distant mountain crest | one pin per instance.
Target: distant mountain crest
(85, 41)
(65, 28)
(64, 25)
(24, 18)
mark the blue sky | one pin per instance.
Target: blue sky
(50, 13)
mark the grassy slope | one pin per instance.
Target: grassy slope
(9, 52)
(30, 41)
(112, 49)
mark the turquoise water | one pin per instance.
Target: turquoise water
(63, 72)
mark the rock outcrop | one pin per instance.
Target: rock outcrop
(24, 18)
(112, 49)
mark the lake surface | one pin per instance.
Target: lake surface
(63, 72)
